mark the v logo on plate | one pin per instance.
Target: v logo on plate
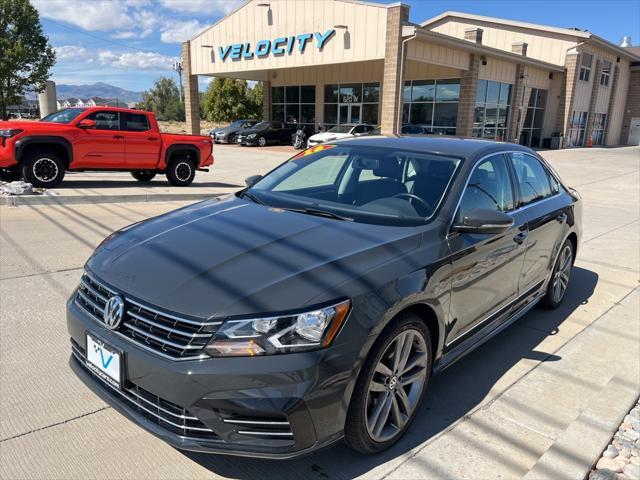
(105, 364)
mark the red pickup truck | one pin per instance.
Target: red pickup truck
(99, 138)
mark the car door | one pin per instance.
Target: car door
(102, 146)
(485, 267)
(543, 212)
(142, 145)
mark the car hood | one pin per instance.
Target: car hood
(232, 257)
(249, 131)
(328, 136)
(15, 124)
(226, 130)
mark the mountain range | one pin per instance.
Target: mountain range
(100, 89)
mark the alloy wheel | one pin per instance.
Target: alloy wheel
(561, 277)
(396, 385)
(183, 171)
(45, 170)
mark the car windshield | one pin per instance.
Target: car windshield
(63, 116)
(237, 124)
(365, 184)
(340, 129)
(262, 125)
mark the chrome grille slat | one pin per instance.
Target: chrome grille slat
(169, 329)
(173, 317)
(93, 291)
(256, 422)
(264, 433)
(162, 340)
(86, 298)
(181, 417)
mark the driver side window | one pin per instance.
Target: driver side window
(489, 187)
(106, 120)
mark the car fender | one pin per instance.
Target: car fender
(42, 139)
(166, 154)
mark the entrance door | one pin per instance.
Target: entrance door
(350, 113)
(634, 132)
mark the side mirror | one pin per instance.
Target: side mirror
(87, 123)
(483, 220)
(252, 180)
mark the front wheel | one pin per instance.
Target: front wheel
(262, 142)
(143, 175)
(298, 142)
(391, 386)
(44, 170)
(180, 172)
(559, 277)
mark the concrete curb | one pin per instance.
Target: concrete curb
(18, 200)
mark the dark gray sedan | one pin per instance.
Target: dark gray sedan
(315, 304)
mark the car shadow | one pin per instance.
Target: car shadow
(72, 184)
(450, 396)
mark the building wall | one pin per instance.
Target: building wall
(437, 55)
(547, 46)
(499, 70)
(616, 136)
(363, 39)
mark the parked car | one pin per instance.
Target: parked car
(341, 131)
(316, 303)
(412, 129)
(99, 138)
(265, 133)
(228, 134)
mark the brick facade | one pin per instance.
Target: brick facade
(266, 100)
(592, 100)
(191, 94)
(467, 102)
(612, 100)
(566, 94)
(518, 106)
(632, 108)
(393, 71)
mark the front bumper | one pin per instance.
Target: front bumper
(248, 141)
(6, 154)
(272, 407)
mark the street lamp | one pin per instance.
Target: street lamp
(177, 66)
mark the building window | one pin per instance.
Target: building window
(598, 124)
(432, 104)
(605, 75)
(493, 101)
(351, 103)
(577, 125)
(585, 67)
(294, 104)
(531, 133)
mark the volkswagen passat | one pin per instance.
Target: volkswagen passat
(315, 304)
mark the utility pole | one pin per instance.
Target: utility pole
(177, 66)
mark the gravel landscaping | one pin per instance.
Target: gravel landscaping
(620, 460)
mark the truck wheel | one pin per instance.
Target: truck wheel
(143, 175)
(180, 172)
(43, 169)
(10, 174)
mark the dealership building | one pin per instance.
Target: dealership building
(334, 62)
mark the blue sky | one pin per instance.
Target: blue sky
(130, 43)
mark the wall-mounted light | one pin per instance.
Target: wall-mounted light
(206, 46)
(269, 12)
(341, 26)
(264, 5)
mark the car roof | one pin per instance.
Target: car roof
(455, 146)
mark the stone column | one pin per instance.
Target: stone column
(393, 71)
(592, 100)
(518, 106)
(467, 102)
(266, 100)
(632, 105)
(47, 100)
(191, 93)
(566, 95)
(612, 102)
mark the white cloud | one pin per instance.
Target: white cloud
(124, 35)
(178, 32)
(149, 61)
(72, 52)
(101, 15)
(209, 8)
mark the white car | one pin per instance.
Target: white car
(340, 131)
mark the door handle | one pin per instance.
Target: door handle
(521, 237)
(152, 139)
(562, 218)
(118, 137)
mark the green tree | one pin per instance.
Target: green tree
(226, 100)
(25, 53)
(163, 100)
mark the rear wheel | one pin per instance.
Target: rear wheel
(43, 170)
(10, 174)
(181, 172)
(390, 387)
(143, 175)
(560, 277)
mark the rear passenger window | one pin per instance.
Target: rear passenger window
(532, 178)
(489, 187)
(106, 120)
(137, 122)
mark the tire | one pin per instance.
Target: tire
(560, 277)
(181, 172)
(143, 175)
(298, 142)
(231, 139)
(42, 169)
(262, 141)
(10, 174)
(379, 385)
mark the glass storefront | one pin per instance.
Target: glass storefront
(493, 102)
(351, 103)
(531, 133)
(577, 126)
(294, 104)
(598, 125)
(432, 104)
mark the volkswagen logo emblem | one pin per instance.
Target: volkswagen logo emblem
(113, 311)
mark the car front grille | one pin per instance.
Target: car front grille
(166, 414)
(273, 428)
(170, 336)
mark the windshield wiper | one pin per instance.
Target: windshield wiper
(252, 197)
(320, 213)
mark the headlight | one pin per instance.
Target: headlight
(8, 133)
(252, 135)
(282, 334)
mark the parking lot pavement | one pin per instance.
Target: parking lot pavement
(540, 400)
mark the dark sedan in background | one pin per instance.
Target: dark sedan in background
(315, 304)
(228, 134)
(267, 133)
